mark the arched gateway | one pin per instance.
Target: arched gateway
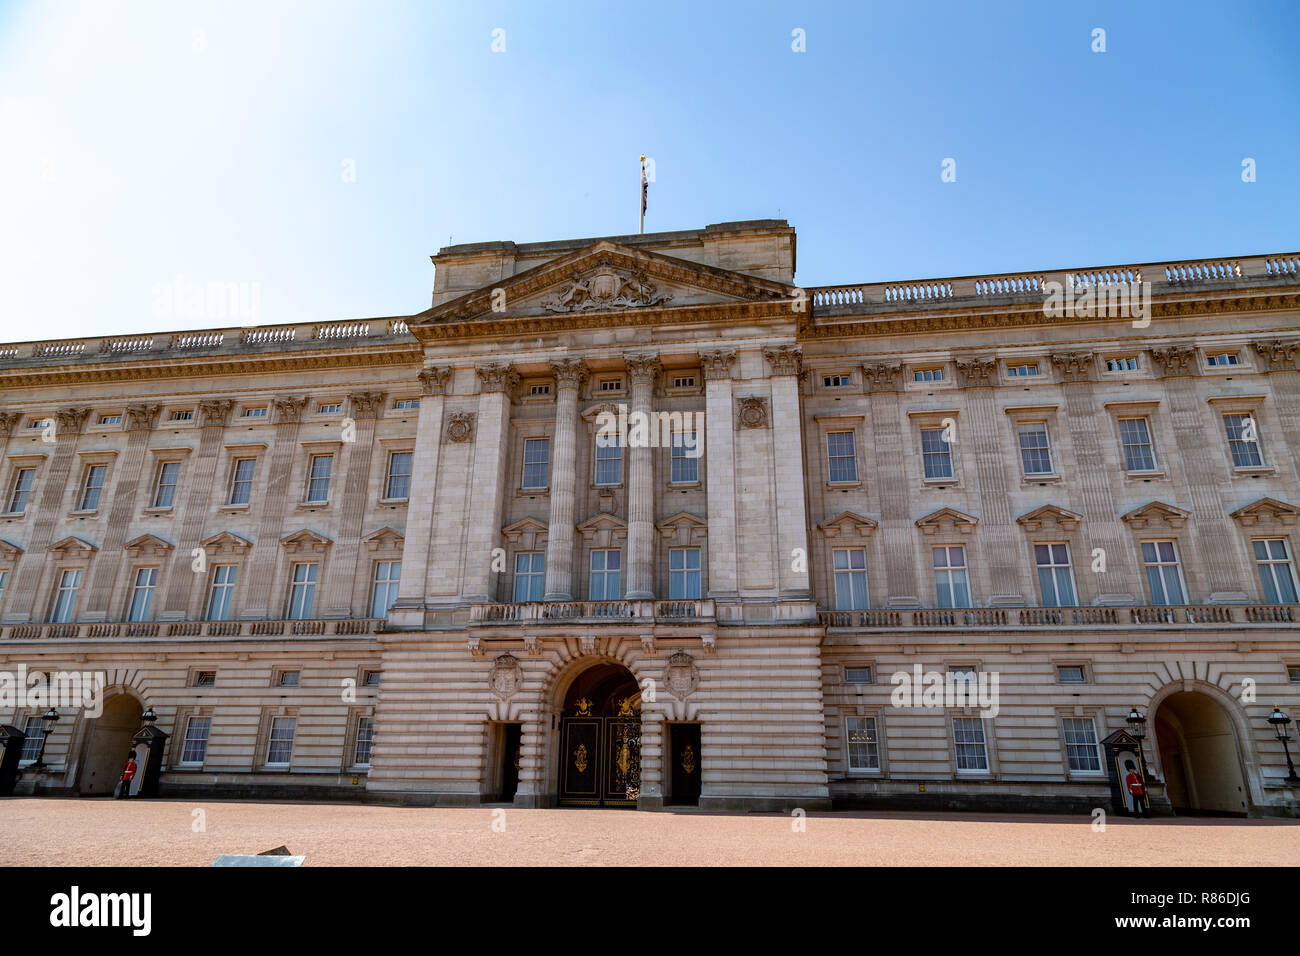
(1201, 755)
(107, 744)
(600, 739)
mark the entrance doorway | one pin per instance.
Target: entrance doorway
(1200, 756)
(600, 739)
(684, 775)
(108, 743)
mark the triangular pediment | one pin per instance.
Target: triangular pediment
(847, 524)
(1050, 516)
(226, 542)
(8, 549)
(599, 280)
(305, 540)
(147, 544)
(946, 520)
(1156, 513)
(598, 522)
(386, 538)
(1267, 511)
(72, 545)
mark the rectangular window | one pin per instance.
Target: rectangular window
(1022, 371)
(222, 592)
(371, 678)
(65, 597)
(93, 487)
(1221, 359)
(1293, 674)
(169, 473)
(1081, 748)
(329, 409)
(539, 390)
(842, 456)
(34, 728)
(927, 375)
(612, 385)
(1071, 674)
(1276, 573)
(241, 481)
(1122, 363)
(146, 582)
(279, 747)
(205, 679)
(181, 415)
(318, 481)
(1243, 441)
(683, 574)
(684, 381)
(398, 484)
(968, 736)
(951, 585)
(1055, 579)
(365, 741)
(609, 460)
(4, 579)
(287, 679)
(857, 675)
(606, 575)
(1160, 559)
(407, 403)
(530, 576)
(1135, 436)
(110, 419)
(863, 745)
(22, 490)
(537, 463)
(850, 565)
(1035, 451)
(38, 423)
(685, 458)
(195, 745)
(834, 381)
(302, 592)
(383, 593)
(936, 454)
(258, 411)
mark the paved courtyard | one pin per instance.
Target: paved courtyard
(84, 832)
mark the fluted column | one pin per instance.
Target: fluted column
(569, 376)
(791, 504)
(642, 370)
(721, 481)
(413, 588)
(488, 481)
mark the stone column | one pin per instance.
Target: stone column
(487, 504)
(140, 420)
(264, 559)
(791, 504)
(642, 370)
(897, 533)
(365, 408)
(192, 510)
(569, 376)
(999, 549)
(68, 423)
(719, 447)
(408, 610)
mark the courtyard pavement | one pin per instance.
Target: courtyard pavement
(90, 832)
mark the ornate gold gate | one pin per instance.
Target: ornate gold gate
(601, 741)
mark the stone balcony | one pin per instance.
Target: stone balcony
(595, 612)
(1056, 618)
(170, 630)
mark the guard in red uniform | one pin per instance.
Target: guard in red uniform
(128, 774)
(1136, 788)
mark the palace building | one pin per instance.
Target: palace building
(403, 559)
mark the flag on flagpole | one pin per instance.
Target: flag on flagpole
(645, 192)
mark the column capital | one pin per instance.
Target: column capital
(643, 369)
(367, 404)
(215, 412)
(1075, 366)
(569, 373)
(289, 408)
(141, 417)
(1280, 354)
(784, 359)
(71, 419)
(497, 377)
(717, 365)
(434, 380)
(1175, 360)
(7, 422)
(883, 378)
(977, 372)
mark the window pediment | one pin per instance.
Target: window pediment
(305, 541)
(1267, 512)
(683, 528)
(147, 545)
(1049, 516)
(386, 538)
(1156, 514)
(73, 547)
(526, 534)
(9, 550)
(847, 524)
(225, 542)
(946, 521)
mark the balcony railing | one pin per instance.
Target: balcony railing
(1178, 615)
(593, 612)
(172, 629)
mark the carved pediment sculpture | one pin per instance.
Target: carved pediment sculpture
(606, 288)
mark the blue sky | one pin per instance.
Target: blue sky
(144, 141)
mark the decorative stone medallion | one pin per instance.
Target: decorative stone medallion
(507, 676)
(752, 412)
(460, 426)
(681, 675)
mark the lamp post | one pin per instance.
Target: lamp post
(1279, 721)
(149, 717)
(48, 722)
(1137, 726)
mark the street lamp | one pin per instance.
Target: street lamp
(1279, 721)
(1137, 726)
(149, 716)
(48, 722)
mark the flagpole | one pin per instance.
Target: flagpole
(643, 197)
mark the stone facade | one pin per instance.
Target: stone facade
(935, 476)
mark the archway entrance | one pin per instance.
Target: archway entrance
(108, 743)
(1200, 756)
(600, 739)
